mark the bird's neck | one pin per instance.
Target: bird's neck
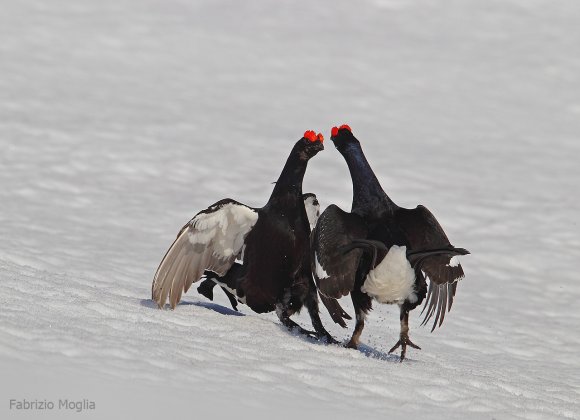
(367, 191)
(289, 185)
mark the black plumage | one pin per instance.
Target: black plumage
(227, 282)
(272, 243)
(362, 252)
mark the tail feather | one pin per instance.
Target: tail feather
(336, 312)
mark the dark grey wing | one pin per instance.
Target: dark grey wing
(336, 312)
(424, 233)
(212, 240)
(333, 270)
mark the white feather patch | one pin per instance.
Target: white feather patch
(312, 211)
(225, 228)
(320, 272)
(393, 280)
(211, 240)
(453, 262)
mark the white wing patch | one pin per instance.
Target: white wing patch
(225, 228)
(210, 241)
(393, 280)
(319, 271)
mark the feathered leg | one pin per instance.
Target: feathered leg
(206, 289)
(284, 314)
(404, 340)
(362, 304)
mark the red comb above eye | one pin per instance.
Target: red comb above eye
(334, 131)
(320, 137)
(310, 135)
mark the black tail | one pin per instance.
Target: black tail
(414, 257)
(417, 257)
(367, 245)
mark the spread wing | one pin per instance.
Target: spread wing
(424, 233)
(333, 270)
(210, 241)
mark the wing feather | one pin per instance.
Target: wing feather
(210, 241)
(334, 271)
(423, 232)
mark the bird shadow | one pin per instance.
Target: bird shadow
(372, 353)
(148, 303)
(214, 307)
(367, 351)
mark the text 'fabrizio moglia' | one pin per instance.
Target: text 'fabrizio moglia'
(65, 404)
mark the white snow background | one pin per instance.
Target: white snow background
(120, 119)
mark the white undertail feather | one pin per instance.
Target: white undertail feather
(454, 262)
(210, 241)
(393, 279)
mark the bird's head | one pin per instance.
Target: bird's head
(342, 137)
(310, 144)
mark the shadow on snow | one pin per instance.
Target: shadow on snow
(148, 303)
(368, 351)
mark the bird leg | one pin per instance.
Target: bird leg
(232, 298)
(358, 328)
(404, 340)
(206, 288)
(284, 317)
(311, 304)
(362, 304)
(207, 285)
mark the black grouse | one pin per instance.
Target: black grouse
(271, 242)
(382, 251)
(206, 287)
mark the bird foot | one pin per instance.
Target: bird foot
(403, 342)
(326, 336)
(351, 345)
(297, 328)
(322, 336)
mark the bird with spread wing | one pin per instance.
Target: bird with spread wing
(259, 255)
(382, 251)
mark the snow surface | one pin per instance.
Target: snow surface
(120, 119)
